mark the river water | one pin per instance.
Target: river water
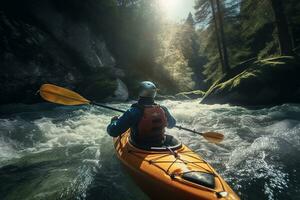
(63, 152)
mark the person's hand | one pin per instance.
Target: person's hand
(114, 118)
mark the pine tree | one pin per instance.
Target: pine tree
(284, 38)
(190, 47)
(222, 37)
(217, 33)
(210, 10)
(190, 20)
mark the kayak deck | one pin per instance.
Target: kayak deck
(180, 173)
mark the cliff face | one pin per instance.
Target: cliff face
(40, 43)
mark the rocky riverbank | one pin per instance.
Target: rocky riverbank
(266, 82)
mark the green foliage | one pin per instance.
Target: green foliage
(171, 57)
(211, 14)
(269, 50)
(179, 55)
(268, 81)
(143, 44)
(249, 28)
(203, 11)
(257, 28)
(135, 43)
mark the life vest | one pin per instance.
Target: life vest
(151, 127)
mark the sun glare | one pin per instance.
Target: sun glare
(167, 4)
(175, 10)
(169, 7)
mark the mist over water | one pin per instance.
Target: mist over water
(60, 152)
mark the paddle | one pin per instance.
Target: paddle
(60, 95)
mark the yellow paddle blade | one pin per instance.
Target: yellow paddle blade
(213, 137)
(59, 95)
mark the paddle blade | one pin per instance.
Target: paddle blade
(59, 95)
(213, 137)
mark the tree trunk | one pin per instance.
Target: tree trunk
(217, 34)
(284, 38)
(222, 38)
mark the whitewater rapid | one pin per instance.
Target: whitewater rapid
(60, 152)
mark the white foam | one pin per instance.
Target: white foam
(255, 145)
(7, 150)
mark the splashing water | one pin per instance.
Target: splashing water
(60, 152)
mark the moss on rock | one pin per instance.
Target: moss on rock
(266, 82)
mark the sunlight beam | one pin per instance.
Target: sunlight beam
(175, 10)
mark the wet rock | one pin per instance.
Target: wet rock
(196, 94)
(181, 96)
(164, 97)
(35, 50)
(121, 92)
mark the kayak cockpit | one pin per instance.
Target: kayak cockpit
(200, 178)
(170, 143)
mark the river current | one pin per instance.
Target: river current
(63, 152)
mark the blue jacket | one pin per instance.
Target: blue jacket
(131, 118)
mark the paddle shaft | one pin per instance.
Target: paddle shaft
(190, 130)
(122, 111)
(108, 107)
(60, 95)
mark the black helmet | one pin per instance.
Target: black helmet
(147, 89)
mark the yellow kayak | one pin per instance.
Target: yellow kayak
(171, 172)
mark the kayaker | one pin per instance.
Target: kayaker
(146, 119)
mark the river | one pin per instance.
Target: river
(63, 152)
